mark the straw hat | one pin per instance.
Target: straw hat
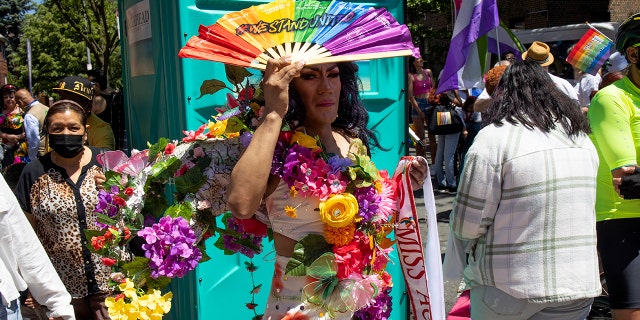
(539, 52)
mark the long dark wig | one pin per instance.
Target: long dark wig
(352, 116)
(527, 95)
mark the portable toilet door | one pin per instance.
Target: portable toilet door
(162, 94)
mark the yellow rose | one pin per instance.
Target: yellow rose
(217, 128)
(339, 210)
(304, 140)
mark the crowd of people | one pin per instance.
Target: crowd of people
(545, 176)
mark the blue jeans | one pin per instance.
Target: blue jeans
(10, 312)
(491, 303)
(447, 145)
(423, 104)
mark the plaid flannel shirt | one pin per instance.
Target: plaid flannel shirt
(526, 201)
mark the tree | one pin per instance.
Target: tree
(431, 25)
(59, 49)
(55, 49)
(12, 13)
(94, 21)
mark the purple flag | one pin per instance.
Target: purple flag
(475, 19)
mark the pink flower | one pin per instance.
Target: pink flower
(169, 148)
(184, 169)
(194, 135)
(380, 262)
(203, 204)
(198, 152)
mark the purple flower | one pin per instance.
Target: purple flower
(106, 206)
(245, 138)
(171, 247)
(298, 155)
(380, 309)
(339, 164)
(368, 201)
(277, 164)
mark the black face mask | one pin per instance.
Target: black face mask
(66, 145)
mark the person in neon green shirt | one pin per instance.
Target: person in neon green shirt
(614, 115)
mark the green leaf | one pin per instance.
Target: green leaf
(190, 181)
(184, 210)
(105, 219)
(160, 283)
(236, 74)
(137, 265)
(112, 179)
(305, 252)
(157, 148)
(211, 87)
(164, 170)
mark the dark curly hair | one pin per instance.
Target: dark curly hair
(529, 97)
(352, 116)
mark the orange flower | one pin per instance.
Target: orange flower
(291, 211)
(339, 236)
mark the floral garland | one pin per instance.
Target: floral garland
(357, 206)
(145, 240)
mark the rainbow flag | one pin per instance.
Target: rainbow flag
(590, 53)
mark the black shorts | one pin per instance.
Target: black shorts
(619, 247)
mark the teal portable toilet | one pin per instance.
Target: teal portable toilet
(161, 92)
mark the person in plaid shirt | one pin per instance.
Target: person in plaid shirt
(526, 204)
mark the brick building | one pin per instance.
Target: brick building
(552, 13)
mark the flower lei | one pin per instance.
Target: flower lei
(146, 240)
(356, 206)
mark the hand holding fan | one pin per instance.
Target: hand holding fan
(312, 31)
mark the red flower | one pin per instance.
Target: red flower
(285, 136)
(119, 201)
(108, 261)
(128, 191)
(207, 234)
(169, 148)
(251, 305)
(127, 233)
(348, 259)
(253, 226)
(97, 242)
(120, 296)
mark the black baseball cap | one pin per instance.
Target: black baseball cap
(77, 85)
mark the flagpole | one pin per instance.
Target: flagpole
(498, 43)
(598, 31)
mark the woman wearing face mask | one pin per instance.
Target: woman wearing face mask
(58, 193)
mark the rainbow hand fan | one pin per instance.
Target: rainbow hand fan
(309, 30)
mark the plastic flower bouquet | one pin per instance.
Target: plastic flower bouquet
(147, 239)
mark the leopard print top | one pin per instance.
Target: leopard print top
(63, 211)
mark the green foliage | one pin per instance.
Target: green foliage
(211, 87)
(55, 52)
(139, 267)
(12, 14)
(431, 25)
(305, 252)
(59, 39)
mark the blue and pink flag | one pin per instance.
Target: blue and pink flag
(591, 52)
(465, 62)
